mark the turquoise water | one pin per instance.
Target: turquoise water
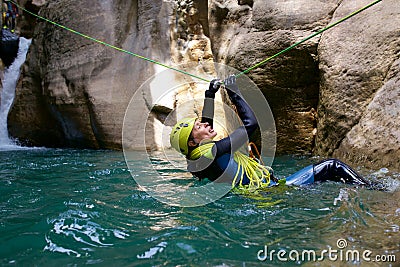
(82, 207)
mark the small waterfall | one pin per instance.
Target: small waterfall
(10, 79)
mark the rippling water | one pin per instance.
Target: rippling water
(82, 207)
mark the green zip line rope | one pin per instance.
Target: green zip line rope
(110, 45)
(187, 73)
(309, 37)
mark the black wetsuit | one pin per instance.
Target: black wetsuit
(224, 148)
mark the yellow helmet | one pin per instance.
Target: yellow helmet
(180, 133)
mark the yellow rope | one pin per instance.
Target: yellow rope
(259, 175)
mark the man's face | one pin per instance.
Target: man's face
(202, 131)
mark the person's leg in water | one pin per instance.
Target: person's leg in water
(326, 170)
(338, 171)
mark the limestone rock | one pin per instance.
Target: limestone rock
(243, 35)
(191, 47)
(375, 139)
(77, 90)
(359, 63)
(74, 91)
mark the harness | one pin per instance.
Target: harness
(258, 175)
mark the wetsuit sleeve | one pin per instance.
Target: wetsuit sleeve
(241, 135)
(208, 108)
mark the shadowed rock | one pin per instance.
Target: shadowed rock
(8, 47)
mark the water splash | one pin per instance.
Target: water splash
(11, 76)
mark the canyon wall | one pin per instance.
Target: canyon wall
(334, 95)
(359, 105)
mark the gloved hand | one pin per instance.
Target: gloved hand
(230, 83)
(215, 84)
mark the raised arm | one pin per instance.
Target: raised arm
(208, 109)
(241, 135)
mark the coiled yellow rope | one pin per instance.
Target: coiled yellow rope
(259, 175)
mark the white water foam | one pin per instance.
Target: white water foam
(10, 79)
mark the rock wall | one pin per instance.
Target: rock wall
(82, 88)
(9, 44)
(74, 91)
(334, 95)
(246, 32)
(359, 94)
(191, 49)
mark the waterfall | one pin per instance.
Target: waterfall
(10, 79)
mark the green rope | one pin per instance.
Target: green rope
(110, 45)
(307, 38)
(187, 73)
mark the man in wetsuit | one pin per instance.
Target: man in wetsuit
(214, 159)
